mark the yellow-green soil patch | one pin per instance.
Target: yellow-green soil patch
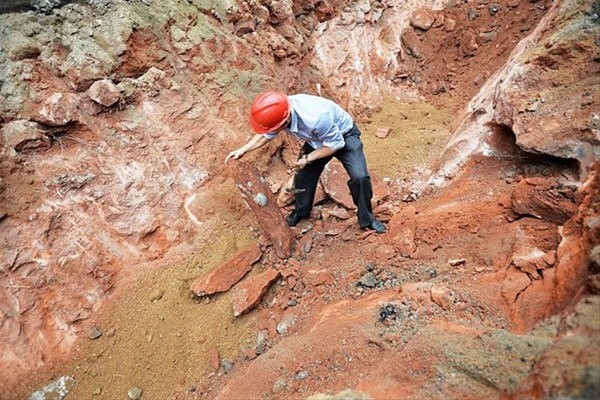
(163, 345)
(417, 136)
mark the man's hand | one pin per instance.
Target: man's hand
(235, 155)
(302, 162)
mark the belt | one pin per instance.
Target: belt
(354, 131)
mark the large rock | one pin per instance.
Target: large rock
(544, 199)
(23, 136)
(423, 18)
(104, 92)
(59, 109)
(263, 204)
(223, 277)
(412, 43)
(551, 97)
(249, 293)
(335, 183)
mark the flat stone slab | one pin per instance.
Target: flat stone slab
(223, 277)
(257, 195)
(249, 293)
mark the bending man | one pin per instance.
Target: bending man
(328, 131)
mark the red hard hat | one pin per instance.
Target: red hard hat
(269, 111)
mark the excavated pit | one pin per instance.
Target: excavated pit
(486, 284)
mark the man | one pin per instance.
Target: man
(328, 131)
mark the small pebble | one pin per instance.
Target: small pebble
(302, 375)
(227, 366)
(134, 393)
(94, 333)
(156, 295)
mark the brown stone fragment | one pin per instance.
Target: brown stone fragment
(104, 92)
(335, 183)
(412, 43)
(319, 277)
(59, 109)
(223, 277)
(215, 360)
(442, 296)
(248, 294)
(423, 18)
(24, 136)
(382, 133)
(544, 199)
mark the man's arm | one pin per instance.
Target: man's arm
(321, 152)
(253, 144)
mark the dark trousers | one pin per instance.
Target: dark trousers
(353, 159)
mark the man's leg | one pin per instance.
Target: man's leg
(353, 159)
(307, 178)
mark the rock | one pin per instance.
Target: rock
(104, 92)
(456, 262)
(59, 109)
(284, 325)
(227, 366)
(468, 43)
(368, 280)
(20, 47)
(134, 393)
(281, 11)
(55, 390)
(449, 24)
(382, 133)
(403, 237)
(412, 43)
(439, 20)
(46, 6)
(319, 277)
(529, 259)
(340, 213)
(94, 333)
(334, 180)
(545, 199)
(423, 18)
(279, 385)
(25, 136)
(442, 296)
(223, 277)
(302, 375)
(493, 9)
(215, 360)
(514, 283)
(244, 27)
(324, 11)
(268, 214)
(249, 293)
(385, 252)
(156, 295)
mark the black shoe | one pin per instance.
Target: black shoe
(377, 226)
(293, 219)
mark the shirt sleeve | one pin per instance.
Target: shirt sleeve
(270, 135)
(329, 132)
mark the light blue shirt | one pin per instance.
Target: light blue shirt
(318, 121)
